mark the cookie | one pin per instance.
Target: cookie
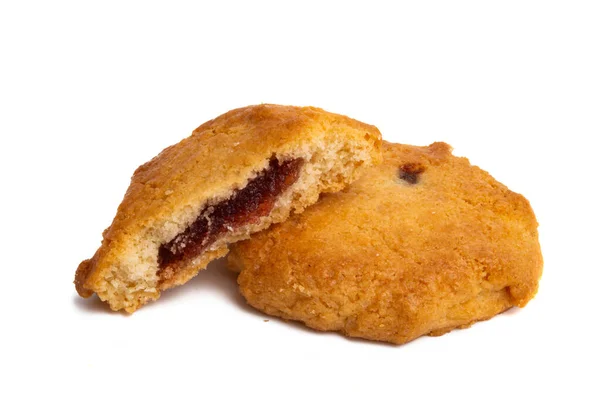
(421, 244)
(235, 175)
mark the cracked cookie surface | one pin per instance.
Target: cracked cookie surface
(421, 244)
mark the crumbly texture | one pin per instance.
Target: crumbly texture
(168, 193)
(421, 244)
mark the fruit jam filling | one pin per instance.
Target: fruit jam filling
(245, 206)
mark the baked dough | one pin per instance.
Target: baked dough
(421, 244)
(235, 175)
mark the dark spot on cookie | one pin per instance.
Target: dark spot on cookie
(411, 172)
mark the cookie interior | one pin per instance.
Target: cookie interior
(174, 249)
(245, 206)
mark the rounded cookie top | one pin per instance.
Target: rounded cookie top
(222, 152)
(421, 244)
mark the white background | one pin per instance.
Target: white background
(89, 92)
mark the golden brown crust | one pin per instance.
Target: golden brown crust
(421, 244)
(167, 193)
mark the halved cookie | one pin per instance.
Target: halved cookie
(235, 175)
(421, 244)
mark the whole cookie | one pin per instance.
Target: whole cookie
(235, 175)
(422, 244)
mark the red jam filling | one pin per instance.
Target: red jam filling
(245, 206)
